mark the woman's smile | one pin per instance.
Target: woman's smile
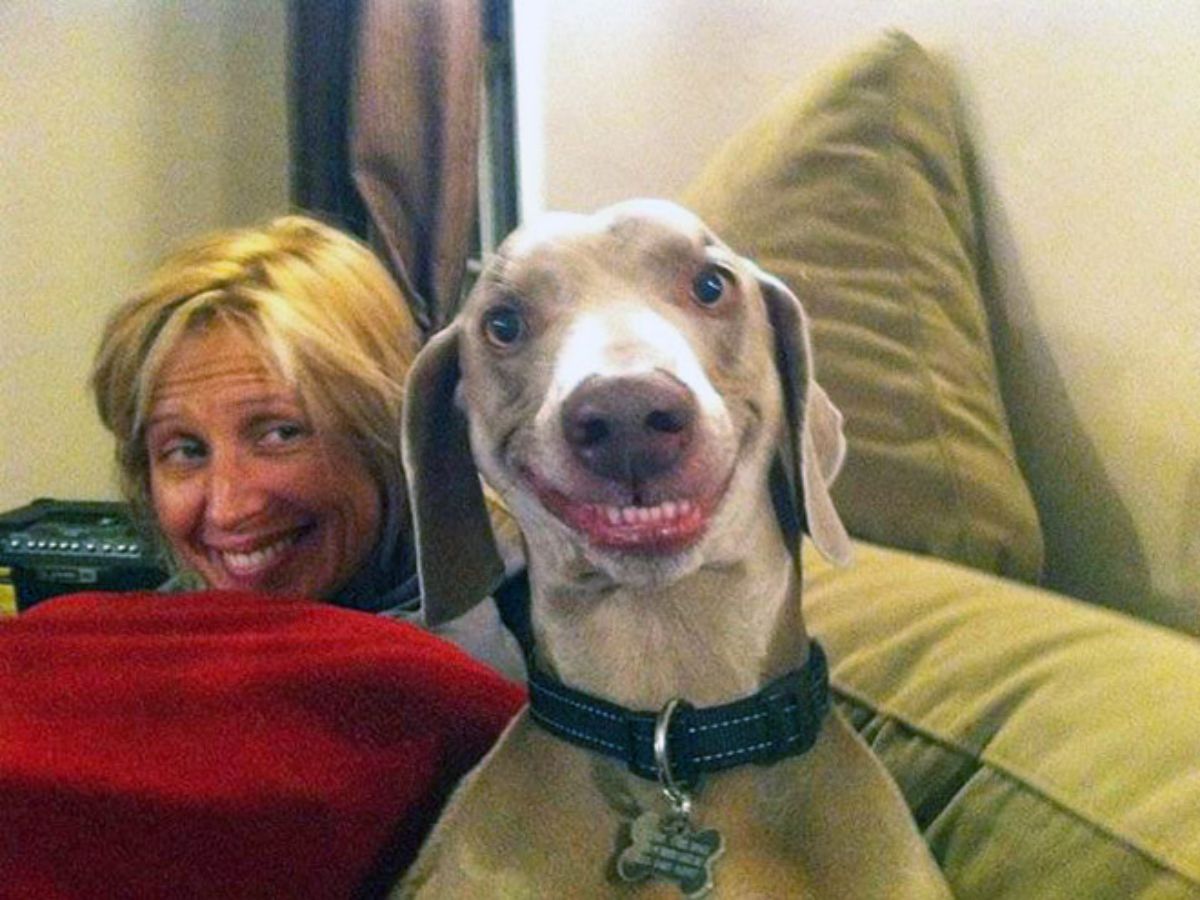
(257, 560)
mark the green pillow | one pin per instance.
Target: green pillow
(1047, 748)
(855, 193)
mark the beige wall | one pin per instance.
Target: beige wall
(1088, 128)
(123, 127)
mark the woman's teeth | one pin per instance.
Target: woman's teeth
(255, 560)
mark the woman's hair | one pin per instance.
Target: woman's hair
(317, 302)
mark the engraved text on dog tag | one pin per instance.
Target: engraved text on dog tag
(668, 847)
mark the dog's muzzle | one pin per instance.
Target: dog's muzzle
(638, 479)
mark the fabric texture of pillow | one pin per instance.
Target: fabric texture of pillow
(1046, 747)
(228, 745)
(856, 194)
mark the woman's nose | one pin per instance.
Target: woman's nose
(235, 494)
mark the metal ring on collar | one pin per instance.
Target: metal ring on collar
(680, 799)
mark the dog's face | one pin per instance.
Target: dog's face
(635, 391)
(619, 379)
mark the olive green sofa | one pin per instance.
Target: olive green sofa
(1048, 747)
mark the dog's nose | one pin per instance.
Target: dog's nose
(629, 428)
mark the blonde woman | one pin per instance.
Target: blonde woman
(254, 390)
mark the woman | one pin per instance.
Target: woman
(215, 743)
(254, 389)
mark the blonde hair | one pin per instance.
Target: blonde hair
(319, 304)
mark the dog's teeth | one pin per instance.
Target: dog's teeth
(665, 512)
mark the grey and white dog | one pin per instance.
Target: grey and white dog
(643, 400)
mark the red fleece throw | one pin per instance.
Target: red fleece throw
(227, 745)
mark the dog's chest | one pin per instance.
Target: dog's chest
(569, 818)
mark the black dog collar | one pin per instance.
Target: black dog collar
(781, 720)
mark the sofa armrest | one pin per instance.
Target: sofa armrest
(1047, 748)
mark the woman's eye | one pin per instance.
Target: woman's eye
(709, 286)
(284, 433)
(503, 325)
(181, 451)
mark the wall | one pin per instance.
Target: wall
(1088, 131)
(123, 128)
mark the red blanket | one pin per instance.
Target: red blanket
(227, 745)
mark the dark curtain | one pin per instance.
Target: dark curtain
(322, 37)
(386, 112)
(415, 141)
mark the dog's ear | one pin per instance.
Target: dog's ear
(814, 446)
(456, 553)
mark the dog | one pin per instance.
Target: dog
(643, 401)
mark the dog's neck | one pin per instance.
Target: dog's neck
(711, 637)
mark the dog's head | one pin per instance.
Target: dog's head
(634, 390)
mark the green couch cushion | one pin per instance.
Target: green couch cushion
(1048, 748)
(855, 192)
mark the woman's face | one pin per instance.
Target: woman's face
(246, 491)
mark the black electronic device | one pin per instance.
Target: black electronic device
(56, 547)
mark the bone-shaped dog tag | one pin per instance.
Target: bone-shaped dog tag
(669, 847)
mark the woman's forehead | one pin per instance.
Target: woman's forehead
(218, 359)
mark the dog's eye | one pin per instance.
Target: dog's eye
(503, 325)
(709, 286)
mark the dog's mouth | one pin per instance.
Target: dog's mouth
(663, 527)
